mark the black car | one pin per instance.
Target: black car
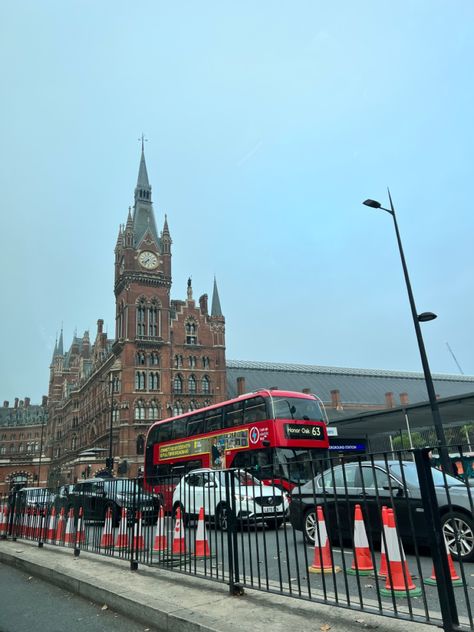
(97, 495)
(372, 485)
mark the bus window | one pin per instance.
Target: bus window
(214, 419)
(233, 414)
(195, 424)
(179, 428)
(255, 410)
(164, 432)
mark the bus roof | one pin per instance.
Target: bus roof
(263, 392)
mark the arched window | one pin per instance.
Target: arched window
(141, 311)
(153, 320)
(192, 387)
(21, 448)
(74, 442)
(154, 359)
(178, 361)
(154, 412)
(205, 362)
(140, 381)
(193, 405)
(140, 358)
(177, 408)
(140, 444)
(206, 385)
(140, 410)
(154, 381)
(191, 333)
(178, 384)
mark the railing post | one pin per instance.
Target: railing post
(133, 560)
(232, 551)
(436, 540)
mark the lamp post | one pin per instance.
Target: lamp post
(43, 414)
(417, 319)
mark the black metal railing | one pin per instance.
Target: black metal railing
(383, 533)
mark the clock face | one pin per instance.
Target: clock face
(148, 260)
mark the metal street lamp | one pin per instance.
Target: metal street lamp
(417, 318)
(109, 461)
(43, 415)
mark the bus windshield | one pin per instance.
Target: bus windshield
(294, 465)
(297, 408)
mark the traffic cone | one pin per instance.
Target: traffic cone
(161, 541)
(399, 582)
(3, 521)
(61, 527)
(322, 561)
(383, 570)
(69, 536)
(36, 523)
(51, 531)
(107, 538)
(201, 547)
(362, 564)
(179, 543)
(455, 579)
(122, 538)
(80, 532)
(138, 539)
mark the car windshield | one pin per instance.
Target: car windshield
(411, 476)
(124, 487)
(241, 478)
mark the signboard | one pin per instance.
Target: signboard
(306, 432)
(193, 447)
(347, 445)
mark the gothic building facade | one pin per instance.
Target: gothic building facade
(167, 357)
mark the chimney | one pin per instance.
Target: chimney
(203, 303)
(240, 385)
(44, 401)
(307, 391)
(100, 325)
(16, 402)
(6, 404)
(27, 402)
(404, 399)
(336, 399)
(389, 403)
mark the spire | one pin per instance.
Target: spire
(216, 304)
(143, 216)
(190, 290)
(55, 347)
(166, 230)
(142, 181)
(60, 344)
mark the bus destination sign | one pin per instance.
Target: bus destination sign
(298, 431)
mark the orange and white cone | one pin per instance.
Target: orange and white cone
(36, 523)
(161, 541)
(179, 543)
(122, 537)
(322, 561)
(201, 547)
(80, 531)
(138, 539)
(107, 538)
(51, 531)
(69, 536)
(61, 527)
(455, 579)
(399, 582)
(3, 521)
(362, 564)
(383, 570)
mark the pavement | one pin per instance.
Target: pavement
(173, 602)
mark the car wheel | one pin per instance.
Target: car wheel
(223, 518)
(458, 531)
(309, 526)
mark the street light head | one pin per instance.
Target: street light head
(372, 203)
(426, 316)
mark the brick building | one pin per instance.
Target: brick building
(22, 442)
(168, 356)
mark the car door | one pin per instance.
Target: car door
(337, 494)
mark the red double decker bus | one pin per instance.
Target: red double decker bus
(278, 434)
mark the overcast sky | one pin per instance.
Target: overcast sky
(268, 124)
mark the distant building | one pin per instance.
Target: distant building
(22, 434)
(167, 356)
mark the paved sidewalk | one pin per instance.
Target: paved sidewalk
(172, 602)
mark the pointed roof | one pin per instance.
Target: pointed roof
(59, 348)
(55, 352)
(142, 180)
(216, 304)
(166, 230)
